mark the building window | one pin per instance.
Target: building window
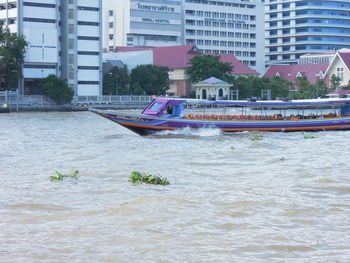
(110, 48)
(88, 82)
(71, 29)
(39, 4)
(340, 73)
(110, 24)
(71, 74)
(71, 44)
(71, 58)
(70, 13)
(88, 8)
(39, 20)
(84, 23)
(110, 12)
(110, 36)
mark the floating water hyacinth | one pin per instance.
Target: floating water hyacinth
(59, 176)
(138, 177)
(257, 137)
(309, 137)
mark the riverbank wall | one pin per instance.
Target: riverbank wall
(25, 103)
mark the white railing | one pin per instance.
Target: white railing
(13, 98)
(113, 99)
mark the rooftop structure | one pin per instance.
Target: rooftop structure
(177, 58)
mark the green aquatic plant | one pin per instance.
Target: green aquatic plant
(138, 177)
(256, 137)
(59, 176)
(309, 137)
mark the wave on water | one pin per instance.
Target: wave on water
(187, 131)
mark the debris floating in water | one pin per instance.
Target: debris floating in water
(257, 137)
(138, 177)
(59, 176)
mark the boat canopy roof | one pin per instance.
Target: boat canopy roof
(244, 103)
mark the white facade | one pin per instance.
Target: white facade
(227, 27)
(64, 39)
(220, 27)
(142, 23)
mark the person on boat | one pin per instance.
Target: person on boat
(169, 110)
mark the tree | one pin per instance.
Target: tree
(279, 87)
(207, 66)
(308, 90)
(321, 88)
(12, 48)
(56, 89)
(347, 87)
(152, 80)
(116, 81)
(335, 82)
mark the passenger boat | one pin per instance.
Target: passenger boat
(236, 116)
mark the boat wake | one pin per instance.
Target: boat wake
(188, 132)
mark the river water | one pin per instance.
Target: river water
(284, 198)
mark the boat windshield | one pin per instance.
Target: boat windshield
(156, 106)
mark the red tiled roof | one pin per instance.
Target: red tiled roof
(341, 92)
(238, 67)
(290, 72)
(174, 56)
(179, 56)
(346, 58)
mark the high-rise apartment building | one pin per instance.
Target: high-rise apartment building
(64, 39)
(297, 27)
(216, 27)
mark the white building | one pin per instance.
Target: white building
(141, 23)
(215, 26)
(64, 39)
(227, 27)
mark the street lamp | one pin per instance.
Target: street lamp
(288, 84)
(317, 78)
(116, 82)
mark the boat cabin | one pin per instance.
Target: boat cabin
(165, 107)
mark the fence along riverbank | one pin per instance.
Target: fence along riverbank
(18, 102)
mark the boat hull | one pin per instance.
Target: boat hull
(145, 125)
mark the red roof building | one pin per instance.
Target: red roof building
(177, 58)
(290, 72)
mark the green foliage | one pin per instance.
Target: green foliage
(335, 82)
(309, 137)
(56, 89)
(116, 82)
(346, 87)
(137, 90)
(12, 49)
(253, 85)
(279, 87)
(207, 66)
(138, 177)
(153, 80)
(59, 176)
(308, 90)
(256, 137)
